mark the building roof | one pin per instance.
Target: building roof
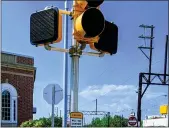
(15, 54)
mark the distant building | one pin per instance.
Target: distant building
(156, 120)
(17, 84)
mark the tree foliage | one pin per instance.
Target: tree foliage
(42, 122)
(116, 121)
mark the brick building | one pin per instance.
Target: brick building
(17, 83)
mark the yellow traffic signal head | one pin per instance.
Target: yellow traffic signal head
(88, 20)
(91, 27)
(90, 23)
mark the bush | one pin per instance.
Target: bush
(42, 122)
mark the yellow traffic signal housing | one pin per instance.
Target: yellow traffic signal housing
(88, 20)
(90, 23)
(91, 27)
(46, 27)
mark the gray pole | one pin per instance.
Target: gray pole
(96, 106)
(53, 103)
(108, 119)
(65, 69)
(75, 76)
(57, 111)
(75, 82)
(60, 113)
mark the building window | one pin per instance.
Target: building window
(9, 105)
(6, 105)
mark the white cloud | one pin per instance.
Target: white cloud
(113, 98)
(91, 92)
(116, 98)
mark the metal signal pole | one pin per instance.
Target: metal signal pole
(65, 69)
(75, 73)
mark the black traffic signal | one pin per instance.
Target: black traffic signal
(46, 27)
(108, 41)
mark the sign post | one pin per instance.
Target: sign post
(132, 121)
(76, 119)
(53, 98)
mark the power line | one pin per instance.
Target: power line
(123, 83)
(110, 91)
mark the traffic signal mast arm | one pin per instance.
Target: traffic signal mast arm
(50, 48)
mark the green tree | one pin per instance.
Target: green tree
(42, 122)
(116, 121)
(119, 121)
(29, 123)
(96, 122)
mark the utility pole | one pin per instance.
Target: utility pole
(139, 101)
(122, 120)
(57, 111)
(149, 78)
(96, 106)
(108, 119)
(60, 113)
(150, 48)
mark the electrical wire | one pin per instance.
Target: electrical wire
(110, 91)
(122, 83)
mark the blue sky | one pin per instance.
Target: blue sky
(117, 75)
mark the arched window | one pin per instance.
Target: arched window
(6, 105)
(9, 108)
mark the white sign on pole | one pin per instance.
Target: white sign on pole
(75, 122)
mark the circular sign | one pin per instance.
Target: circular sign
(132, 121)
